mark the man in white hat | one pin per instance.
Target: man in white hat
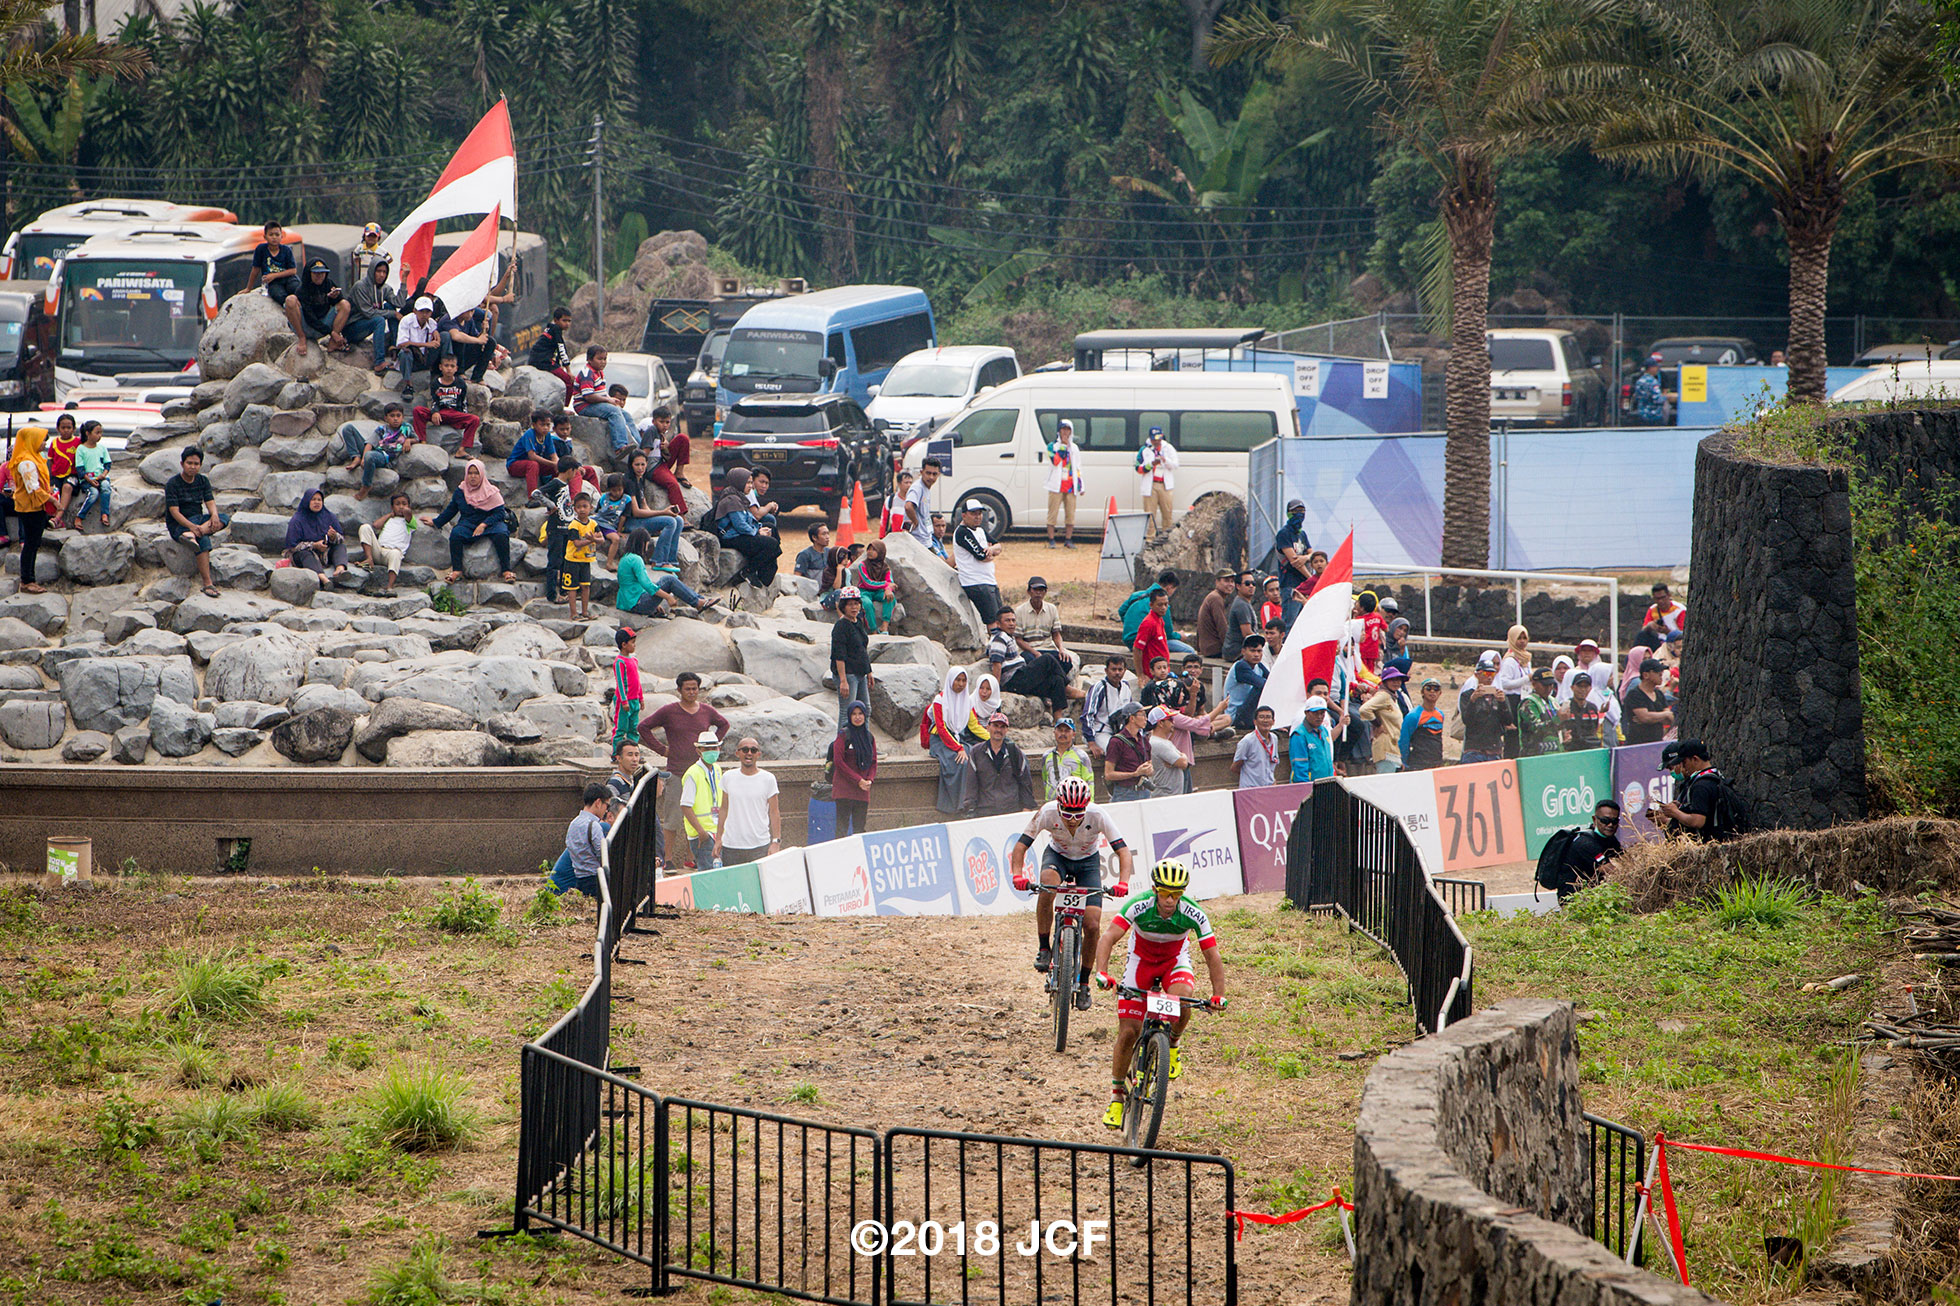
(973, 561)
(1312, 746)
(701, 802)
(418, 343)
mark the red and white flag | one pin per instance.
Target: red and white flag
(466, 276)
(481, 178)
(1314, 641)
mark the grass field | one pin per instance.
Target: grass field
(307, 1093)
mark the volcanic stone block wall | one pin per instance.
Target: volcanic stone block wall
(1770, 682)
(1471, 1173)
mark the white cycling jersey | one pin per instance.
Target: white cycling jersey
(1081, 842)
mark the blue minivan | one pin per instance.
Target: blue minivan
(839, 341)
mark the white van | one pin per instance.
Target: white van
(1937, 378)
(1212, 419)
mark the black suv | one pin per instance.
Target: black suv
(814, 447)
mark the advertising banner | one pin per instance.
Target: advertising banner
(911, 871)
(1558, 792)
(1265, 818)
(1639, 783)
(1477, 815)
(980, 851)
(785, 883)
(839, 883)
(1409, 796)
(1204, 831)
(732, 888)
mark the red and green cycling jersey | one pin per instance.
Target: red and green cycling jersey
(1159, 938)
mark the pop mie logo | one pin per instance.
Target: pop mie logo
(982, 869)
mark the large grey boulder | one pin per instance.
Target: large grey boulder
(935, 606)
(234, 740)
(296, 585)
(176, 730)
(98, 559)
(46, 613)
(788, 656)
(135, 500)
(285, 422)
(204, 644)
(85, 746)
(151, 643)
(253, 427)
(423, 460)
(788, 731)
(535, 388)
(218, 440)
(14, 677)
(248, 328)
(295, 394)
(235, 567)
(110, 693)
(395, 717)
(202, 612)
(255, 383)
(521, 639)
(32, 725)
(510, 681)
(900, 693)
(17, 634)
(558, 715)
(284, 490)
(321, 735)
(308, 698)
(157, 468)
(249, 715)
(294, 450)
(448, 748)
(682, 644)
(265, 669)
(242, 472)
(264, 531)
(337, 383)
(130, 745)
(445, 633)
(898, 650)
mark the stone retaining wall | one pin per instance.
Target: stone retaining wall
(1471, 1172)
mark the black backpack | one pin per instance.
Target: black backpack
(1733, 815)
(1552, 872)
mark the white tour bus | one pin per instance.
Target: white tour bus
(1212, 419)
(33, 251)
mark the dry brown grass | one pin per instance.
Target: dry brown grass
(1900, 855)
(1929, 1216)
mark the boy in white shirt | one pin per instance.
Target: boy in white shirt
(390, 542)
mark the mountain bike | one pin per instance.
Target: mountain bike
(1065, 957)
(1148, 1084)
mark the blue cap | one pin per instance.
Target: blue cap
(1156, 430)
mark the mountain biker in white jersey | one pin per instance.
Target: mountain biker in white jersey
(1159, 924)
(1075, 828)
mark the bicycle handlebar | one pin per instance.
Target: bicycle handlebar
(1200, 1004)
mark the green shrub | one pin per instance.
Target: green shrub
(196, 1066)
(417, 1281)
(212, 988)
(1765, 902)
(120, 1127)
(421, 1108)
(207, 1124)
(1603, 904)
(283, 1107)
(468, 910)
(545, 909)
(354, 1053)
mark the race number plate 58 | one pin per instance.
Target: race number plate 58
(1072, 901)
(1160, 1004)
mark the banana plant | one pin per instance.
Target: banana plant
(49, 137)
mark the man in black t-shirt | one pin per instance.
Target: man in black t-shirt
(1649, 711)
(1699, 812)
(323, 309)
(1485, 712)
(549, 353)
(190, 513)
(1588, 851)
(275, 265)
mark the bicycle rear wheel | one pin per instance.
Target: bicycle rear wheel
(1150, 1081)
(1068, 944)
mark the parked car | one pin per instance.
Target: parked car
(698, 395)
(1908, 379)
(814, 447)
(27, 350)
(1539, 377)
(928, 386)
(649, 385)
(1900, 352)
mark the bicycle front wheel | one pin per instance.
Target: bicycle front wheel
(1150, 1083)
(1068, 946)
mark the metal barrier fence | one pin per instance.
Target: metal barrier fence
(1039, 1202)
(1619, 1163)
(1461, 895)
(1361, 863)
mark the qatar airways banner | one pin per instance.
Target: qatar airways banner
(1265, 819)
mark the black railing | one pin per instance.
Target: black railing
(766, 1202)
(1619, 1165)
(1461, 895)
(1361, 862)
(1014, 1220)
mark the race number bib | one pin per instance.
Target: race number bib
(1072, 901)
(1160, 1004)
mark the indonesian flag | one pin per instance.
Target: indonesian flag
(481, 178)
(1314, 642)
(467, 275)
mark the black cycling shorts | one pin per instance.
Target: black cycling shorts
(1083, 871)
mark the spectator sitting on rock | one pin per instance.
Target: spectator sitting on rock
(1023, 669)
(387, 544)
(313, 538)
(591, 401)
(91, 476)
(1104, 699)
(60, 451)
(1213, 614)
(875, 580)
(811, 562)
(997, 779)
(664, 524)
(938, 542)
(643, 580)
(669, 450)
(1164, 687)
(1272, 606)
(190, 513)
(569, 467)
(738, 529)
(322, 307)
(417, 343)
(449, 404)
(471, 340)
(837, 563)
(550, 353)
(478, 508)
(370, 453)
(1275, 641)
(1039, 622)
(761, 505)
(609, 512)
(1246, 683)
(534, 457)
(275, 265)
(377, 310)
(585, 842)
(639, 506)
(33, 491)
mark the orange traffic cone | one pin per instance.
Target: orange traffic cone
(845, 536)
(860, 522)
(1112, 507)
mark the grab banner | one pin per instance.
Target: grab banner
(732, 888)
(1640, 785)
(1203, 830)
(1477, 815)
(1265, 819)
(981, 848)
(1410, 797)
(1559, 792)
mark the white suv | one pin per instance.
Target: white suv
(1538, 377)
(927, 386)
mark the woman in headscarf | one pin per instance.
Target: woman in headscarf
(313, 538)
(1514, 678)
(736, 525)
(1646, 644)
(941, 730)
(875, 580)
(33, 487)
(853, 766)
(643, 589)
(986, 702)
(478, 507)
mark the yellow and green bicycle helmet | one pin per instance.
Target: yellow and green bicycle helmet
(1171, 873)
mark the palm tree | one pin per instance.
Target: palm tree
(825, 28)
(29, 62)
(1808, 99)
(1439, 74)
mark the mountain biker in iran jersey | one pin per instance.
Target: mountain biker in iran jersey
(1076, 829)
(1159, 924)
